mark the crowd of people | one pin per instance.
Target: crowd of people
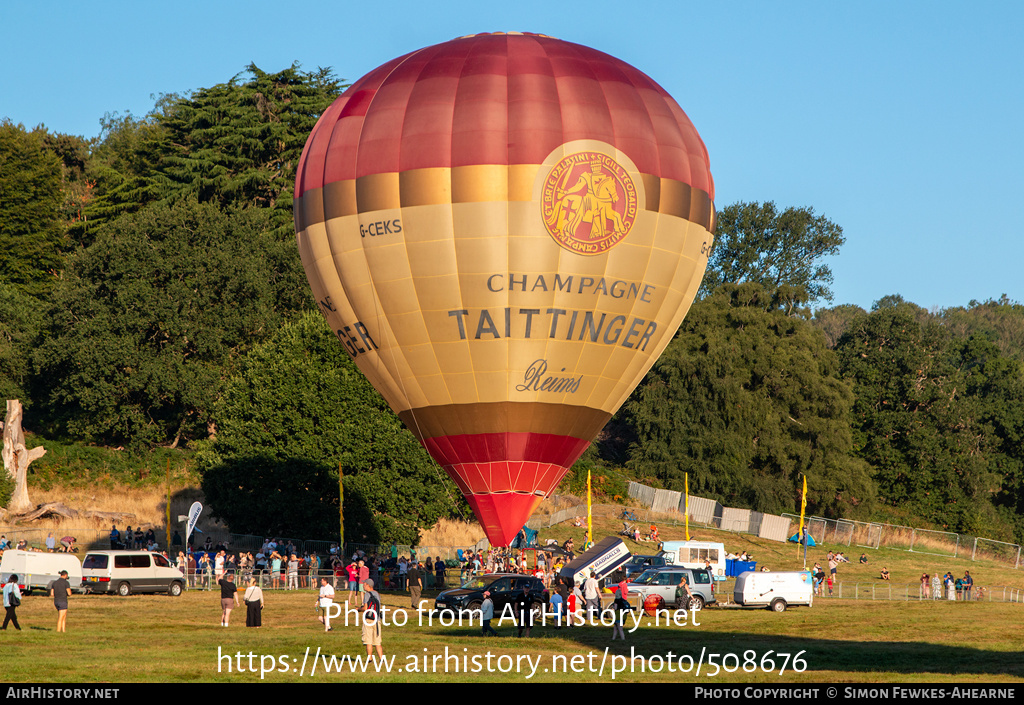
(67, 544)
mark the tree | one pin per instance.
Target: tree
(31, 227)
(20, 321)
(747, 399)
(235, 144)
(835, 321)
(299, 396)
(927, 407)
(119, 173)
(1001, 321)
(146, 323)
(754, 242)
(238, 143)
(17, 457)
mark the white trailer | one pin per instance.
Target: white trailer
(36, 570)
(776, 591)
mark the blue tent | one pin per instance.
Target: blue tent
(526, 538)
(795, 538)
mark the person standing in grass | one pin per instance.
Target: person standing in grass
(486, 615)
(275, 569)
(12, 594)
(968, 583)
(415, 578)
(253, 599)
(371, 620)
(936, 587)
(324, 602)
(228, 598)
(314, 569)
(60, 589)
(293, 572)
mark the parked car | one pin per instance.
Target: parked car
(636, 565)
(664, 581)
(125, 572)
(504, 587)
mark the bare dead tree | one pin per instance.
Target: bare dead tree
(17, 457)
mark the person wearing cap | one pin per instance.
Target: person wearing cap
(487, 612)
(59, 591)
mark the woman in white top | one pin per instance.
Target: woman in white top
(253, 604)
(11, 589)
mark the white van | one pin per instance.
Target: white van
(125, 572)
(777, 591)
(693, 554)
(36, 570)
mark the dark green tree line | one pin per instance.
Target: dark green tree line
(747, 399)
(146, 323)
(300, 399)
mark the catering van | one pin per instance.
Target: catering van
(125, 572)
(36, 570)
(693, 554)
(776, 591)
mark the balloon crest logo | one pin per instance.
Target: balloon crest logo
(588, 202)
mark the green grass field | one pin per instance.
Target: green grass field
(163, 639)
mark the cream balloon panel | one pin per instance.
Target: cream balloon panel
(423, 274)
(335, 305)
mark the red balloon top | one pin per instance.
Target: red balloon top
(500, 99)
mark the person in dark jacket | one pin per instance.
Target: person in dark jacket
(524, 610)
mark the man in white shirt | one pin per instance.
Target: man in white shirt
(592, 594)
(324, 602)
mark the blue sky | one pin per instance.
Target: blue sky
(900, 121)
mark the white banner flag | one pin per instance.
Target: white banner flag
(193, 516)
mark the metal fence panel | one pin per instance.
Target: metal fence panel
(774, 527)
(735, 520)
(1000, 551)
(866, 535)
(642, 493)
(666, 501)
(843, 532)
(935, 543)
(895, 536)
(703, 510)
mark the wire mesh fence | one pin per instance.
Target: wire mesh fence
(999, 551)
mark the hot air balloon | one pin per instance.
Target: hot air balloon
(504, 231)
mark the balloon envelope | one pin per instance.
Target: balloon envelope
(504, 231)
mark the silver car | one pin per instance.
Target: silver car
(664, 583)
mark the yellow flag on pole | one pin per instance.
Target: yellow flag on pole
(590, 517)
(687, 506)
(803, 507)
(800, 534)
